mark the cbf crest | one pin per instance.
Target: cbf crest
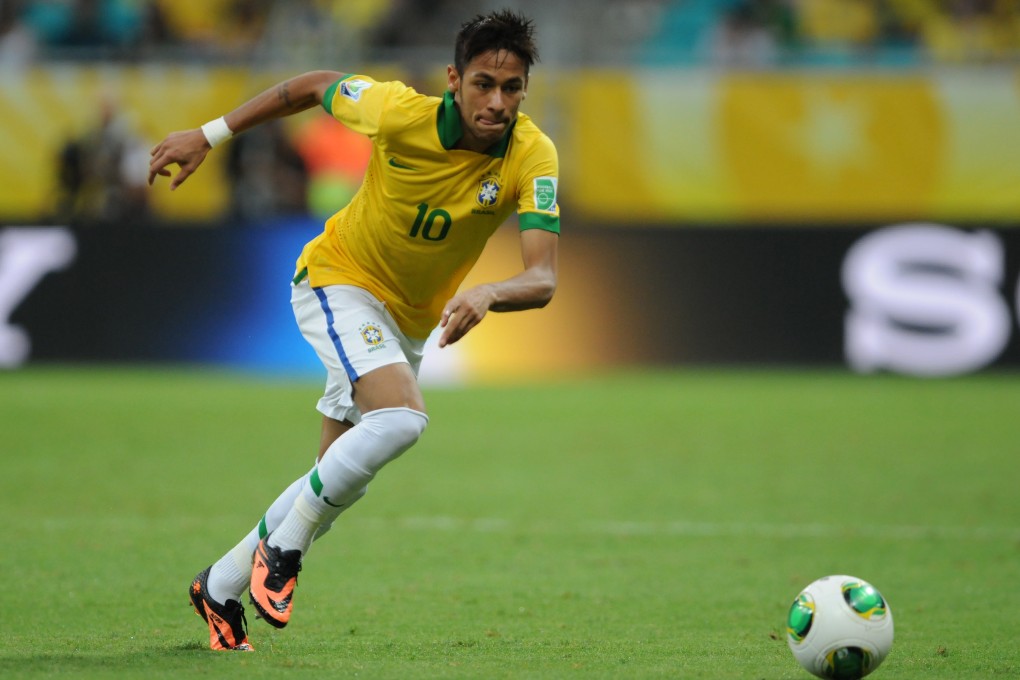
(488, 192)
(371, 334)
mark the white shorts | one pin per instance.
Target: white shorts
(352, 333)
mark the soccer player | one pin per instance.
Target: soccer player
(445, 172)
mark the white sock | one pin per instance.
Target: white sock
(297, 529)
(231, 574)
(348, 465)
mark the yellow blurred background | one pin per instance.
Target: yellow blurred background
(651, 146)
(680, 115)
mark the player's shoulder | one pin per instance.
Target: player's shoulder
(355, 86)
(528, 137)
(406, 103)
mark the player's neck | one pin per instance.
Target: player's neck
(470, 142)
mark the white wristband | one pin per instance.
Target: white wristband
(216, 131)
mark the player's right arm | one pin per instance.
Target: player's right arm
(188, 148)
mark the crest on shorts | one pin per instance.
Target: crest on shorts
(488, 192)
(371, 334)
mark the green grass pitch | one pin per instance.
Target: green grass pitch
(632, 525)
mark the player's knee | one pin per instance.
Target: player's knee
(407, 426)
(401, 427)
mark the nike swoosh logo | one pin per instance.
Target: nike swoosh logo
(395, 164)
(325, 499)
(280, 605)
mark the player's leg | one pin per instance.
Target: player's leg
(372, 382)
(229, 576)
(331, 431)
(352, 461)
(216, 591)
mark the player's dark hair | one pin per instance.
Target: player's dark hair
(500, 30)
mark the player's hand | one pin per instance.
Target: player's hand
(187, 149)
(463, 312)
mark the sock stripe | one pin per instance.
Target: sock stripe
(315, 482)
(263, 529)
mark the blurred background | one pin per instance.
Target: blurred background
(743, 182)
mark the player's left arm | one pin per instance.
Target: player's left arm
(530, 289)
(188, 148)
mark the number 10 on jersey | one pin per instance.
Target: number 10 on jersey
(425, 223)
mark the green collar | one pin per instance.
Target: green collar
(450, 130)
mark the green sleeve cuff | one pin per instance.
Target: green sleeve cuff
(540, 221)
(327, 99)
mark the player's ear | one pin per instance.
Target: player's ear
(452, 79)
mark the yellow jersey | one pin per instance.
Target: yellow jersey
(425, 209)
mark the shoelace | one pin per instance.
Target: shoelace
(276, 579)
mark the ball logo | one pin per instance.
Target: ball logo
(802, 614)
(864, 600)
(847, 662)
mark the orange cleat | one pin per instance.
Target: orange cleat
(273, 577)
(227, 625)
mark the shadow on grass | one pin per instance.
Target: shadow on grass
(173, 659)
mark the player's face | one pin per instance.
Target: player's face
(489, 92)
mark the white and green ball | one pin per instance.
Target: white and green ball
(840, 627)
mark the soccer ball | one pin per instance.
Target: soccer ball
(839, 627)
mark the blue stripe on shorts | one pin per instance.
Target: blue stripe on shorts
(324, 302)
